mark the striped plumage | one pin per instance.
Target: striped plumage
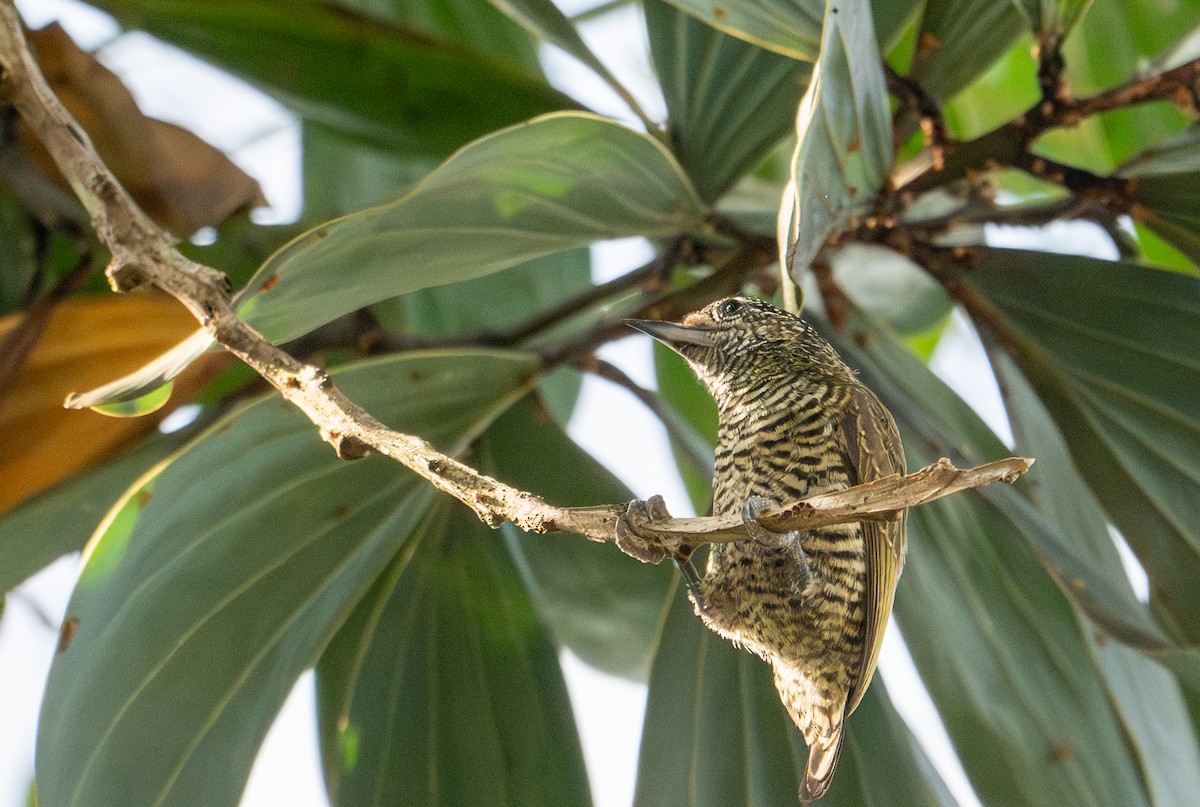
(795, 422)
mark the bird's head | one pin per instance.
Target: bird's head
(737, 343)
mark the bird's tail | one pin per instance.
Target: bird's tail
(823, 755)
(819, 718)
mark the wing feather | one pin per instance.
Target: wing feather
(873, 446)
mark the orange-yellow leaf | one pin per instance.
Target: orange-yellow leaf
(87, 342)
(182, 182)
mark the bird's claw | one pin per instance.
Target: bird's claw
(751, 510)
(630, 538)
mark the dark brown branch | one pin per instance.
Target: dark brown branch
(1051, 67)
(1113, 193)
(924, 107)
(1006, 144)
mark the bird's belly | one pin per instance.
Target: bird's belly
(762, 598)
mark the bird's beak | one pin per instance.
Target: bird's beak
(672, 334)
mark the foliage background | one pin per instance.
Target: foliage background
(244, 553)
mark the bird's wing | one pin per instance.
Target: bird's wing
(874, 450)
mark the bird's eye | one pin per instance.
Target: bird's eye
(729, 308)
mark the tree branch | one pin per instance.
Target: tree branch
(881, 500)
(1006, 144)
(145, 255)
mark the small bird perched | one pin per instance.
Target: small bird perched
(794, 422)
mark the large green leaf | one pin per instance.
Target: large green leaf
(729, 101)
(469, 22)
(602, 605)
(716, 734)
(1110, 348)
(546, 21)
(1163, 181)
(1054, 17)
(390, 84)
(1155, 714)
(1146, 697)
(958, 40)
(1074, 542)
(443, 689)
(996, 642)
(845, 134)
(493, 304)
(1097, 60)
(557, 182)
(693, 435)
(61, 519)
(998, 94)
(342, 175)
(217, 580)
(789, 27)
(343, 172)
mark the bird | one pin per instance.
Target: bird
(794, 421)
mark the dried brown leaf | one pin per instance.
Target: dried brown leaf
(181, 181)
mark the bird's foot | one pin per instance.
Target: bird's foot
(754, 507)
(631, 529)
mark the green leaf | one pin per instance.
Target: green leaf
(999, 649)
(730, 102)
(1109, 347)
(137, 407)
(61, 520)
(602, 605)
(696, 413)
(997, 95)
(1097, 60)
(1054, 17)
(1154, 712)
(342, 174)
(147, 379)
(845, 134)
(498, 302)
(716, 734)
(996, 643)
(18, 275)
(1077, 548)
(557, 182)
(789, 27)
(1157, 252)
(478, 25)
(220, 577)
(889, 285)
(443, 689)
(958, 40)
(377, 80)
(543, 19)
(1163, 182)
